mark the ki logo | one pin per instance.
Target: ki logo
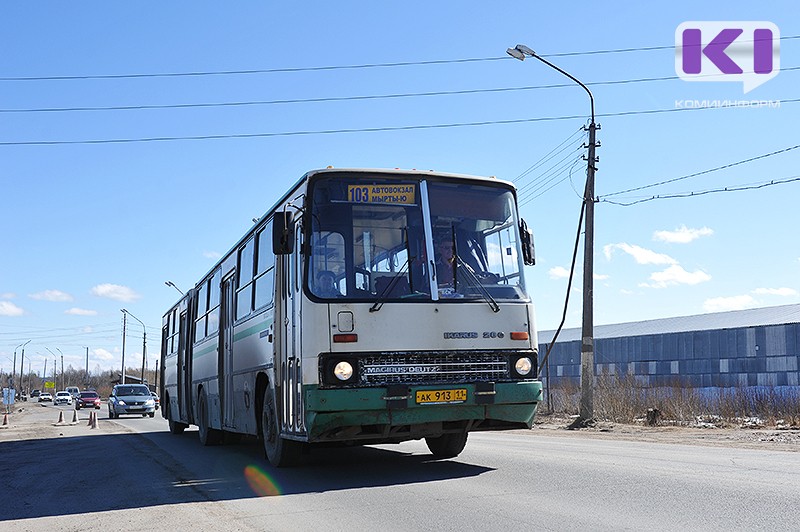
(746, 52)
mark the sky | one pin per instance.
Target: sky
(217, 108)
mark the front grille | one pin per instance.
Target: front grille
(431, 368)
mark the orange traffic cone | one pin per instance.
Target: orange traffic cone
(94, 420)
(89, 424)
(61, 416)
(74, 416)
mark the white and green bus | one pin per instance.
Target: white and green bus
(367, 306)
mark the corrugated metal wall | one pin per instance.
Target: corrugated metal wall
(751, 356)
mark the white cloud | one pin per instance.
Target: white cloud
(80, 312)
(682, 235)
(675, 275)
(102, 354)
(600, 277)
(214, 255)
(8, 295)
(721, 304)
(115, 291)
(52, 295)
(10, 309)
(640, 254)
(785, 292)
(559, 272)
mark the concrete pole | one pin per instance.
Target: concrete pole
(587, 329)
(124, 324)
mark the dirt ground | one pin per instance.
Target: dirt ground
(778, 438)
(29, 420)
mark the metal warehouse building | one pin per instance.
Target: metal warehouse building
(756, 347)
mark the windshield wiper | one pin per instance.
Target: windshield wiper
(384, 295)
(474, 282)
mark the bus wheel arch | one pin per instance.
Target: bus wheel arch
(279, 451)
(175, 427)
(262, 385)
(208, 436)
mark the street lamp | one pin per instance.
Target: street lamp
(144, 343)
(170, 283)
(520, 52)
(55, 368)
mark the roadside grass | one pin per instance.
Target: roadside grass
(624, 399)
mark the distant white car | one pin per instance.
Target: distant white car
(45, 396)
(63, 398)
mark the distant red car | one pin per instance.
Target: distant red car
(88, 400)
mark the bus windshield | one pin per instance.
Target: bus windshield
(371, 241)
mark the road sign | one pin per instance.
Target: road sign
(8, 396)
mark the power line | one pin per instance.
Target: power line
(329, 99)
(549, 155)
(556, 168)
(254, 71)
(710, 170)
(533, 194)
(334, 67)
(361, 130)
(705, 192)
(643, 49)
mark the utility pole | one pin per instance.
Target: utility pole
(22, 370)
(86, 377)
(144, 339)
(520, 52)
(124, 324)
(144, 351)
(14, 366)
(586, 410)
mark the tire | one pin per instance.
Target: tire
(279, 451)
(175, 427)
(447, 445)
(208, 436)
(152, 414)
(111, 414)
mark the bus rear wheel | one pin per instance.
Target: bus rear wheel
(447, 445)
(279, 451)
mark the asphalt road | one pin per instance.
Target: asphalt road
(131, 474)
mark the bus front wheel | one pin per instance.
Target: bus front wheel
(447, 445)
(279, 451)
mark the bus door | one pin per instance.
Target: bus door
(184, 370)
(226, 352)
(290, 370)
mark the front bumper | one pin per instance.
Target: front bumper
(391, 414)
(122, 410)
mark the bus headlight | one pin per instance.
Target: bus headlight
(343, 370)
(523, 366)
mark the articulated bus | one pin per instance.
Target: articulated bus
(365, 307)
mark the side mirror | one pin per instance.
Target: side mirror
(528, 249)
(283, 233)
